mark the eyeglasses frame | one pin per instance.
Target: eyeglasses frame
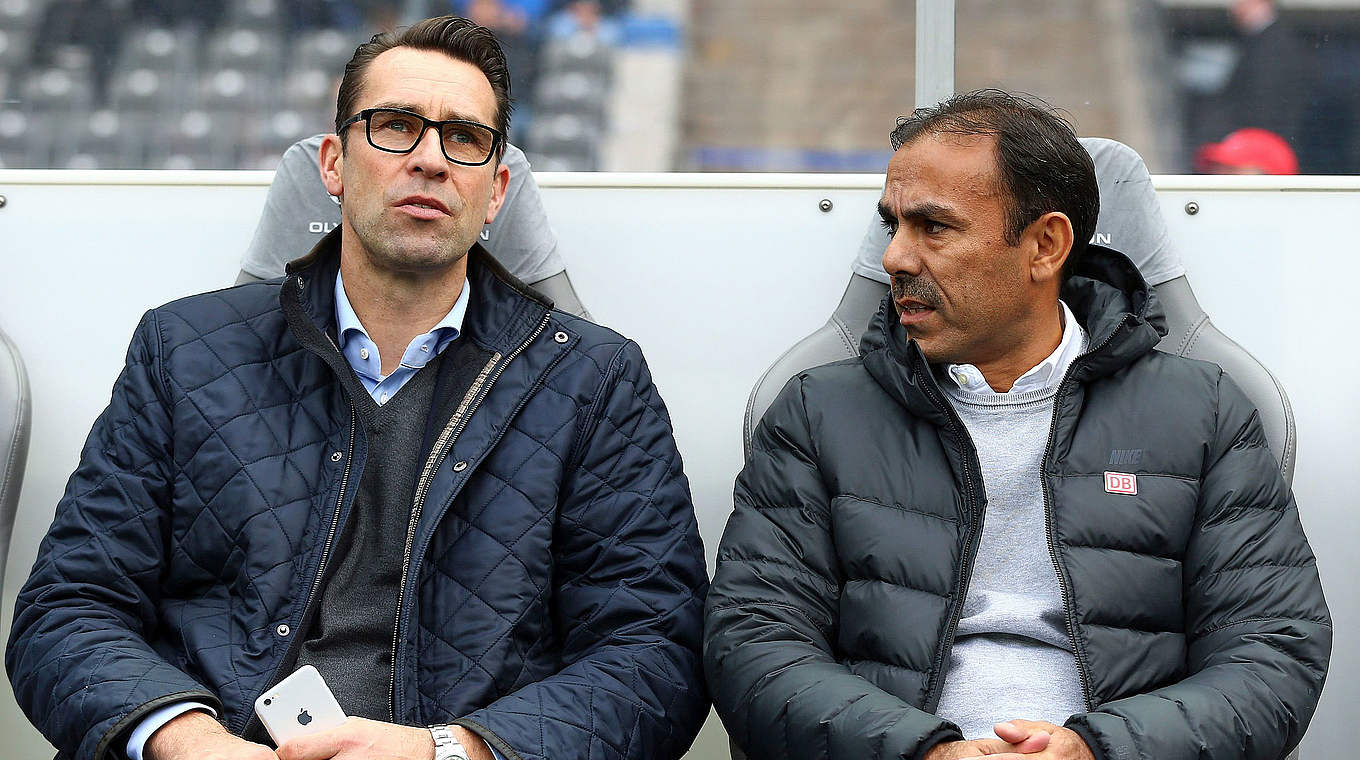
(497, 136)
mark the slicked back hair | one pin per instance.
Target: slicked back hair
(453, 36)
(1040, 163)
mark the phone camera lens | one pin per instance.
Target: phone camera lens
(268, 702)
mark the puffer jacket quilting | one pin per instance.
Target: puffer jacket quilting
(1197, 616)
(557, 574)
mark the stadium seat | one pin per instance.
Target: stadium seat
(15, 134)
(1119, 171)
(14, 46)
(259, 15)
(575, 91)
(20, 14)
(269, 135)
(580, 52)
(145, 89)
(247, 50)
(231, 90)
(310, 90)
(566, 136)
(56, 90)
(326, 49)
(105, 132)
(198, 140)
(158, 49)
(15, 411)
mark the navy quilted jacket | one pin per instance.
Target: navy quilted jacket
(554, 606)
(1195, 610)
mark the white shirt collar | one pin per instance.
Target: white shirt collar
(1042, 376)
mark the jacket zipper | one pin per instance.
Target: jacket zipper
(969, 549)
(1083, 668)
(471, 400)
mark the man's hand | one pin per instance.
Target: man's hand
(363, 739)
(1058, 743)
(1029, 742)
(196, 735)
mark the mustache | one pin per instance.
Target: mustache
(916, 288)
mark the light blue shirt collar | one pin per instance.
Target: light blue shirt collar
(362, 353)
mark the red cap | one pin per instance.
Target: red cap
(1249, 148)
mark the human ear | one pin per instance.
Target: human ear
(498, 185)
(1052, 237)
(332, 164)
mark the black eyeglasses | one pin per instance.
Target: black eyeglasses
(396, 130)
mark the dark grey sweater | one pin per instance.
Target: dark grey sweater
(349, 636)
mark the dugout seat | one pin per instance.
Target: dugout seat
(14, 431)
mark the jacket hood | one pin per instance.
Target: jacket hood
(1106, 293)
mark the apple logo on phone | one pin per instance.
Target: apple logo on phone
(303, 717)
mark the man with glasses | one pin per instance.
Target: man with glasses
(398, 465)
(298, 212)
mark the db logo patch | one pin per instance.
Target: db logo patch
(1119, 482)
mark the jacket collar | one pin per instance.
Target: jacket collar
(1109, 297)
(502, 313)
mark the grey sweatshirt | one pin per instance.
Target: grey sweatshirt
(1012, 657)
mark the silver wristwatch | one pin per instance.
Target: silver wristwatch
(446, 746)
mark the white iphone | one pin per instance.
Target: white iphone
(298, 705)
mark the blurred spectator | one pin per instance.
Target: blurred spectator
(1331, 130)
(586, 10)
(80, 34)
(1247, 151)
(518, 25)
(1273, 81)
(203, 14)
(590, 16)
(368, 16)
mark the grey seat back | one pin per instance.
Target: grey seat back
(15, 418)
(1130, 222)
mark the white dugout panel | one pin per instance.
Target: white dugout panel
(714, 275)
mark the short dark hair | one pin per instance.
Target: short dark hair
(453, 36)
(1041, 164)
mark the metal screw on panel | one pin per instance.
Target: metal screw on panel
(1192, 208)
(3, 201)
(825, 205)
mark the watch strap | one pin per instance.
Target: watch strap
(446, 745)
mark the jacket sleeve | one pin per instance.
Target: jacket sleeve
(78, 656)
(1257, 629)
(630, 582)
(772, 617)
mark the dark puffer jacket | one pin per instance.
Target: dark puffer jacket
(555, 592)
(1195, 608)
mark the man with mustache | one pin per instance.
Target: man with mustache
(397, 464)
(1011, 528)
